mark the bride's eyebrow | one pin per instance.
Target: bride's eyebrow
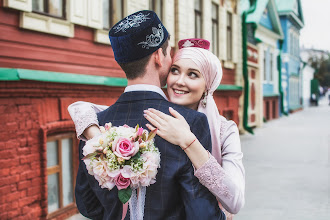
(196, 70)
(173, 65)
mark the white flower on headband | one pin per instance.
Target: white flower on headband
(154, 39)
(187, 44)
(131, 21)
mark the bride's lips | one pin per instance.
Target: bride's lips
(179, 92)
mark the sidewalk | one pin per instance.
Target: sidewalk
(287, 167)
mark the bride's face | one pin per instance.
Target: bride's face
(185, 83)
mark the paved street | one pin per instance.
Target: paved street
(287, 167)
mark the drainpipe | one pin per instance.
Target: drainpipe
(245, 67)
(279, 68)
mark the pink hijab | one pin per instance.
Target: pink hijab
(210, 66)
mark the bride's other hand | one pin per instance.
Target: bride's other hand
(174, 129)
(91, 132)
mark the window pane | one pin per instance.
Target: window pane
(38, 5)
(215, 38)
(229, 36)
(198, 5)
(116, 11)
(214, 11)
(271, 67)
(215, 29)
(67, 171)
(56, 7)
(265, 69)
(158, 8)
(53, 195)
(106, 18)
(198, 26)
(151, 5)
(52, 157)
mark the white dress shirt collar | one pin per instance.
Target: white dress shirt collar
(145, 87)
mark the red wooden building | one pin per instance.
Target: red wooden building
(41, 73)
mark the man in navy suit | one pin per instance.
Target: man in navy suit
(141, 47)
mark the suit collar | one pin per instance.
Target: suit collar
(139, 95)
(145, 87)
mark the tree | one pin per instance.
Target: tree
(321, 63)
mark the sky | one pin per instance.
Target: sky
(316, 32)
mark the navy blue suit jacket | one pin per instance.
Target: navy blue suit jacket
(177, 193)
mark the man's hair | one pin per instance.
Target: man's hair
(137, 68)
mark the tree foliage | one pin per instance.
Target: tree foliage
(321, 63)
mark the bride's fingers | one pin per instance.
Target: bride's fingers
(175, 113)
(151, 128)
(159, 113)
(151, 119)
(154, 116)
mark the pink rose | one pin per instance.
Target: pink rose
(122, 182)
(124, 148)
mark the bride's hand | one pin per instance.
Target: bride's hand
(174, 129)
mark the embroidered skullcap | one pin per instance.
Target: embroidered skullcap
(137, 36)
(194, 42)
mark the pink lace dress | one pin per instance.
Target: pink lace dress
(225, 179)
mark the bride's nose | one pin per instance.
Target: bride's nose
(181, 80)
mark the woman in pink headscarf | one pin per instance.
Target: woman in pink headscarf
(195, 74)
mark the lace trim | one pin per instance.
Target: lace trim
(84, 119)
(136, 203)
(211, 175)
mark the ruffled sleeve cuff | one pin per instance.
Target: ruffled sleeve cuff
(82, 120)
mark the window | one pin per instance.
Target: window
(113, 11)
(291, 44)
(198, 18)
(60, 171)
(265, 66)
(157, 6)
(229, 36)
(215, 29)
(271, 67)
(53, 8)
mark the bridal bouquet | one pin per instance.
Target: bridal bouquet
(124, 157)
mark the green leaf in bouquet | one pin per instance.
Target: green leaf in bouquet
(137, 128)
(136, 156)
(91, 155)
(152, 134)
(125, 194)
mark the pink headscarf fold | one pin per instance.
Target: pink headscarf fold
(210, 66)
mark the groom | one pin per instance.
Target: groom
(141, 47)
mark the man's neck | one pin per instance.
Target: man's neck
(146, 79)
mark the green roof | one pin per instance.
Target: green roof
(255, 17)
(8, 74)
(287, 6)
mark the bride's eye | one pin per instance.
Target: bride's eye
(193, 75)
(174, 70)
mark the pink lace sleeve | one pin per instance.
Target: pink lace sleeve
(83, 115)
(226, 178)
(212, 176)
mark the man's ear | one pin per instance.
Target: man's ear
(159, 57)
